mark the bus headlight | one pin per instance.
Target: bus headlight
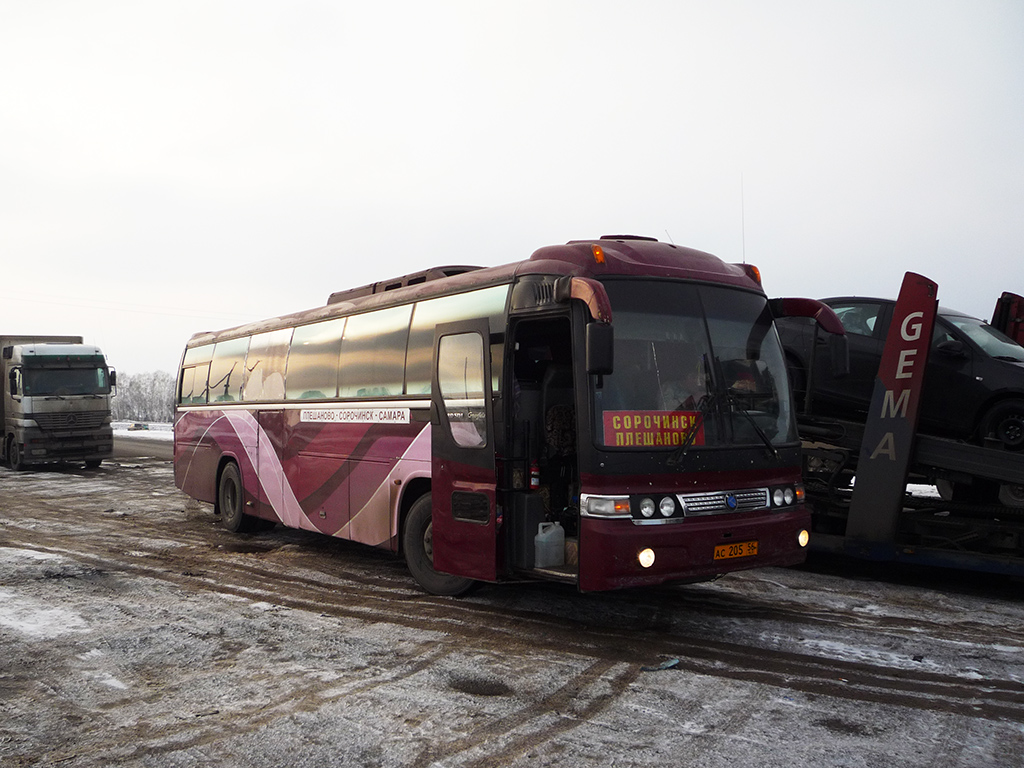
(646, 558)
(592, 505)
(803, 537)
(787, 495)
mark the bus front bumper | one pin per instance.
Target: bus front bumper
(616, 553)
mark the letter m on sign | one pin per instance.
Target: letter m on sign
(892, 420)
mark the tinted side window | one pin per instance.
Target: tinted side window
(861, 319)
(192, 384)
(488, 302)
(227, 368)
(313, 362)
(373, 353)
(265, 364)
(460, 375)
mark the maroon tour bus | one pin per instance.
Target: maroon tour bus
(608, 413)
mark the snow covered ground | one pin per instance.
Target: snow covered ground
(136, 631)
(144, 430)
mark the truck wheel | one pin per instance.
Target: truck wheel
(14, 457)
(1005, 422)
(418, 544)
(231, 501)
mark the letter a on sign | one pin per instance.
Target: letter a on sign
(892, 420)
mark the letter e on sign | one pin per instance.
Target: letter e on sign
(905, 364)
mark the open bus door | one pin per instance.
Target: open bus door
(463, 473)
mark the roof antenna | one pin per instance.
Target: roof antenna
(670, 238)
(743, 219)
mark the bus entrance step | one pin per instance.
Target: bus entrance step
(566, 573)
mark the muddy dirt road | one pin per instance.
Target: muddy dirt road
(136, 632)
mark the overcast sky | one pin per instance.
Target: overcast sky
(173, 167)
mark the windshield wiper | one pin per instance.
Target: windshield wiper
(731, 399)
(702, 408)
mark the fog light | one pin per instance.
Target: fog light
(646, 558)
(803, 537)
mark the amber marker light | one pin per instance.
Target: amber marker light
(598, 252)
(803, 537)
(753, 273)
(646, 558)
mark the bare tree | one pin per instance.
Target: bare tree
(144, 397)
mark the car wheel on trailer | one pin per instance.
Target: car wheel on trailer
(231, 501)
(418, 545)
(1011, 495)
(1005, 422)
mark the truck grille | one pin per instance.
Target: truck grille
(721, 502)
(59, 421)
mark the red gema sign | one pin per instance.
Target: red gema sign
(652, 429)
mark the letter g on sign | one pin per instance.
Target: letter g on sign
(911, 332)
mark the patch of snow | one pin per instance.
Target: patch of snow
(838, 650)
(36, 619)
(152, 431)
(31, 554)
(105, 678)
(923, 491)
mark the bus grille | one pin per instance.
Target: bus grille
(62, 421)
(718, 502)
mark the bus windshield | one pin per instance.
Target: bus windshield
(695, 366)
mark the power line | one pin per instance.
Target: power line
(134, 308)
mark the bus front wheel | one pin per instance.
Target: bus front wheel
(231, 501)
(418, 543)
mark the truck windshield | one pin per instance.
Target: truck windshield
(695, 365)
(59, 382)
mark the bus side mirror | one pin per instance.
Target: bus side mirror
(600, 348)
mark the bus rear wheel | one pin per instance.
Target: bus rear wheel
(418, 544)
(231, 501)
